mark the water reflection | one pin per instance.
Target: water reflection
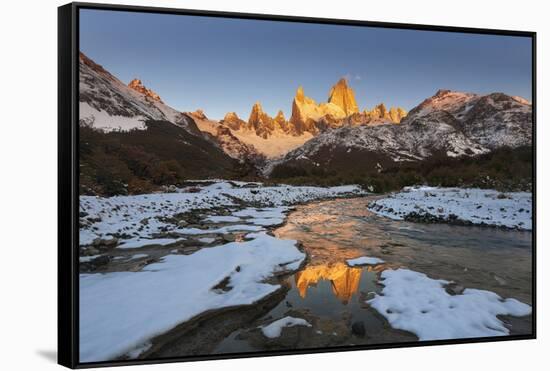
(344, 280)
(332, 295)
(333, 231)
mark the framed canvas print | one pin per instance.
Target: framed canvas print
(238, 185)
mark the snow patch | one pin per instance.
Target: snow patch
(412, 301)
(274, 329)
(477, 206)
(364, 260)
(119, 311)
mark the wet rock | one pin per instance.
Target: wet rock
(454, 289)
(102, 243)
(228, 238)
(192, 190)
(92, 251)
(358, 329)
(101, 260)
(182, 223)
(169, 189)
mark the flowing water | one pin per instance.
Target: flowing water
(331, 295)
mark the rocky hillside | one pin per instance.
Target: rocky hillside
(107, 104)
(222, 136)
(276, 136)
(449, 124)
(121, 121)
(131, 142)
(493, 120)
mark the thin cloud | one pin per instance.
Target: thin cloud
(351, 77)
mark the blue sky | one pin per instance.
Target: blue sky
(222, 65)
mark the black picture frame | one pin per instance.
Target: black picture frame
(68, 179)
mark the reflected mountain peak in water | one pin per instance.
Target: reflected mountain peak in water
(344, 280)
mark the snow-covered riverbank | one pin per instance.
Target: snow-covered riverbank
(120, 311)
(165, 258)
(412, 301)
(458, 205)
(143, 216)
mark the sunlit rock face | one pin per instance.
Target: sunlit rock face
(344, 97)
(221, 135)
(199, 114)
(340, 110)
(306, 114)
(233, 121)
(280, 121)
(344, 280)
(260, 122)
(137, 85)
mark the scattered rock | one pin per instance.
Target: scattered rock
(454, 289)
(228, 238)
(358, 329)
(102, 243)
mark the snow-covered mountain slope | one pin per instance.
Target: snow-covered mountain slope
(451, 124)
(453, 102)
(493, 120)
(497, 120)
(108, 104)
(437, 133)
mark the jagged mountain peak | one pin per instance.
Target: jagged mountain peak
(256, 114)
(199, 114)
(280, 116)
(299, 94)
(260, 122)
(84, 59)
(138, 86)
(521, 100)
(344, 97)
(108, 104)
(231, 116)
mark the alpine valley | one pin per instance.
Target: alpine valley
(131, 142)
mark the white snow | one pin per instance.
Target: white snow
(207, 239)
(119, 311)
(399, 142)
(138, 256)
(135, 243)
(364, 260)
(273, 330)
(105, 122)
(512, 210)
(412, 301)
(142, 216)
(267, 221)
(223, 219)
(227, 229)
(134, 353)
(85, 259)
